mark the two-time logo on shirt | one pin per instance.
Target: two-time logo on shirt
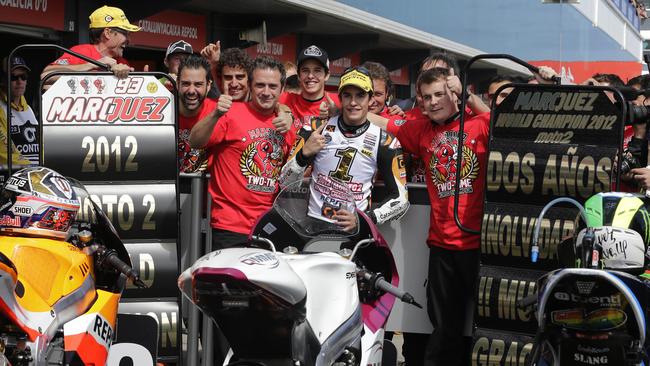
(261, 161)
(443, 164)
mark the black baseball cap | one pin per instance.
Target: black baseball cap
(179, 47)
(316, 53)
(17, 62)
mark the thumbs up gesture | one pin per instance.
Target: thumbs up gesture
(224, 103)
(315, 143)
(453, 83)
(328, 108)
(284, 119)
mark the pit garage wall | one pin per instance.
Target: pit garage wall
(585, 38)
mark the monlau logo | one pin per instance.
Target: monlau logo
(614, 300)
(260, 259)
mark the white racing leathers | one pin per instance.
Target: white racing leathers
(356, 156)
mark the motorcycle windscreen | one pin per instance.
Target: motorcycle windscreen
(311, 206)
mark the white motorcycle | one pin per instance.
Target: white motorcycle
(304, 292)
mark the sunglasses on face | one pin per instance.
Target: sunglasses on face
(22, 77)
(121, 31)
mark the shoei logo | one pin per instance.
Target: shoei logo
(260, 259)
(614, 300)
(22, 210)
(313, 51)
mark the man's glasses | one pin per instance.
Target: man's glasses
(121, 31)
(22, 77)
(360, 69)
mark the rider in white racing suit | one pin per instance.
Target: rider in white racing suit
(350, 149)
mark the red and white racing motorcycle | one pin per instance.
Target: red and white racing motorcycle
(303, 292)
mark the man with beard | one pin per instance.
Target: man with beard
(193, 81)
(246, 153)
(109, 36)
(453, 253)
(313, 101)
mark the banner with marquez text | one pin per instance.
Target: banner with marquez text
(118, 136)
(545, 142)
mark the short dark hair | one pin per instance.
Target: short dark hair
(95, 35)
(611, 79)
(234, 57)
(641, 80)
(194, 62)
(430, 76)
(264, 63)
(447, 58)
(379, 72)
(501, 78)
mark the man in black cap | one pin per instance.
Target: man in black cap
(313, 101)
(24, 125)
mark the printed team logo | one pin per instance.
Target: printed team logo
(443, 165)
(85, 85)
(72, 84)
(262, 159)
(190, 160)
(100, 84)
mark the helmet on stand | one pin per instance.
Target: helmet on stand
(621, 223)
(38, 201)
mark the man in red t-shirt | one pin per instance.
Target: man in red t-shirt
(193, 85)
(313, 101)
(109, 36)
(454, 254)
(246, 152)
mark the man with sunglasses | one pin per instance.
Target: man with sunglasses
(24, 125)
(351, 149)
(109, 36)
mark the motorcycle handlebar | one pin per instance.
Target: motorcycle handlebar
(109, 258)
(378, 282)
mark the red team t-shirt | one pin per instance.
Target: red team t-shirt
(304, 110)
(189, 159)
(86, 50)
(437, 146)
(246, 154)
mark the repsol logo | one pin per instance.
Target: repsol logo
(103, 329)
(614, 300)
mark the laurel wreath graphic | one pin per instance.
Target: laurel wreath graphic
(469, 170)
(246, 163)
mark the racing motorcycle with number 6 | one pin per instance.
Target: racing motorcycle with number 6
(62, 272)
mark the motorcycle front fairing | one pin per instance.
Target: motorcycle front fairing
(593, 315)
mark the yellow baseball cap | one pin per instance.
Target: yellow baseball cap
(110, 17)
(356, 76)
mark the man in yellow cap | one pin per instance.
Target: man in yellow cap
(350, 149)
(109, 36)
